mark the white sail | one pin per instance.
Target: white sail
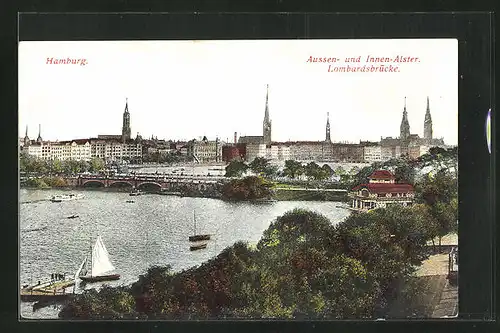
(79, 271)
(100, 259)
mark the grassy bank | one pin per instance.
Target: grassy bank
(46, 182)
(284, 194)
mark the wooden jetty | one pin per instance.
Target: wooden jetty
(51, 291)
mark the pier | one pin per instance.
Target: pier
(49, 291)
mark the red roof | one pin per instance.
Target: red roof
(381, 174)
(381, 188)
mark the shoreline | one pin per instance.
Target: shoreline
(281, 194)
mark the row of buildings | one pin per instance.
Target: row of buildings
(111, 147)
(123, 147)
(106, 147)
(407, 144)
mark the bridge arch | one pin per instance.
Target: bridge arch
(93, 183)
(151, 186)
(120, 183)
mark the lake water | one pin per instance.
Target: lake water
(153, 230)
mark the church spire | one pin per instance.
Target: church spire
(266, 126)
(39, 139)
(26, 137)
(266, 114)
(328, 137)
(126, 132)
(404, 130)
(428, 122)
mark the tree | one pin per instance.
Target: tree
(96, 164)
(259, 165)
(436, 151)
(57, 166)
(108, 303)
(445, 217)
(310, 277)
(293, 169)
(439, 187)
(312, 170)
(339, 171)
(354, 170)
(26, 163)
(248, 188)
(362, 176)
(39, 166)
(328, 170)
(236, 168)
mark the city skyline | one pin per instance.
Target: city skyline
(213, 99)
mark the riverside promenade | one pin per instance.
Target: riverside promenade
(435, 268)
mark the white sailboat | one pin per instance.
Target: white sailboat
(100, 265)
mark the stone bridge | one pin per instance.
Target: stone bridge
(152, 182)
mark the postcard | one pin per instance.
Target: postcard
(238, 179)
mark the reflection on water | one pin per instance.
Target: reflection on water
(153, 230)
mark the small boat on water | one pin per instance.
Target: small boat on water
(66, 197)
(35, 229)
(73, 216)
(199, 246)
(135, 193)
(130, 201)
(195, 237)
(100, 265)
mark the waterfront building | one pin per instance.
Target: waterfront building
(229, 153)
(381, 191)
(34, 150)
(254, 150)
(115, 150)
(372, 153)
(205, 150)
(78, 150)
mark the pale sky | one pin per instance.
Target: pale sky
(187, 89)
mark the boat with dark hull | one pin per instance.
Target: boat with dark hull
(109, 277)
(100, 266)
(195, 237)
(197, 247)
(35, 229)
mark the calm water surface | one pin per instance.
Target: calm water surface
(153, 230)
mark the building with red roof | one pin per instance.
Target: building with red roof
(381, 190)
